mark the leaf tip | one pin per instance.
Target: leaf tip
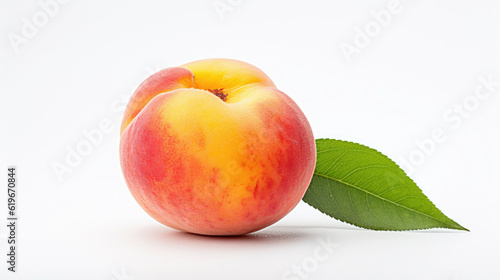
(464, 229)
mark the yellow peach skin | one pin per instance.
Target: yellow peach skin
(213, 147)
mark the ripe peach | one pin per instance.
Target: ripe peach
(213, 147)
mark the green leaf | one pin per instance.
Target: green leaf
(359, 185)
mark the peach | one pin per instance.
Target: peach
(213, 147)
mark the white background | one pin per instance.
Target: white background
(78, 68)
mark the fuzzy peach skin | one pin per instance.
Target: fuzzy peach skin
(213, 147)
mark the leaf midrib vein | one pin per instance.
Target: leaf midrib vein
(410, 209)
